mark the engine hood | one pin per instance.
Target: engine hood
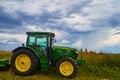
(64, 48)
(65, 51)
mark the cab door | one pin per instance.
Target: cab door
(40, 43)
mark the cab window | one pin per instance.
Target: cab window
(31, 40)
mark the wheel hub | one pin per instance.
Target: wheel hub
(23, 62)
(66, 68)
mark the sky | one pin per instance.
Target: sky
(91, 24)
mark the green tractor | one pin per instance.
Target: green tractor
(40, 54)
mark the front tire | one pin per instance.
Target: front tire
(66, 67)
(24, 62)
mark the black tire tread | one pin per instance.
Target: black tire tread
(34, 62)
(73, 63)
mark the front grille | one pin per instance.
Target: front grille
(74, 53)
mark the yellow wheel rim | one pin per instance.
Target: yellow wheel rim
(23, 62)
(66, 68)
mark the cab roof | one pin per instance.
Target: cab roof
(41, 33)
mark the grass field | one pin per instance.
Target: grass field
(98, 67)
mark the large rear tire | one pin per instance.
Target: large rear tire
(66, 67)
(24, 62)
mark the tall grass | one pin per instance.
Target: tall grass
(99, 66)
(5, 55)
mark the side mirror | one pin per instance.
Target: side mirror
(23, 45)
(55, 40)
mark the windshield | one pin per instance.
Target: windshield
(37, 40)
(42, 41)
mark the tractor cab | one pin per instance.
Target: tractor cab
(41, 41)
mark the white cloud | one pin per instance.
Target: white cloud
(33, 28)
(77, 43)
(7, 36)
(65, 41)
(29, 7)
(99, 39)
(88, 16)
(76, 19)
(3, 41)
(113, 38)
(37, 7)
(77, 22)
(101, 9)
(82, 28)
(60, 34)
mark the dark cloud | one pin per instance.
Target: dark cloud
(7, 21)
(77, 8)
(112, 21)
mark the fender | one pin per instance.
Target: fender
(29, 48)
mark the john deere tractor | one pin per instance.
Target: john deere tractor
(40, 54)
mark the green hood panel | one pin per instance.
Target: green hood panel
(63, 48)
(61, 51)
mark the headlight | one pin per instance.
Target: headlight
(76, 52)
